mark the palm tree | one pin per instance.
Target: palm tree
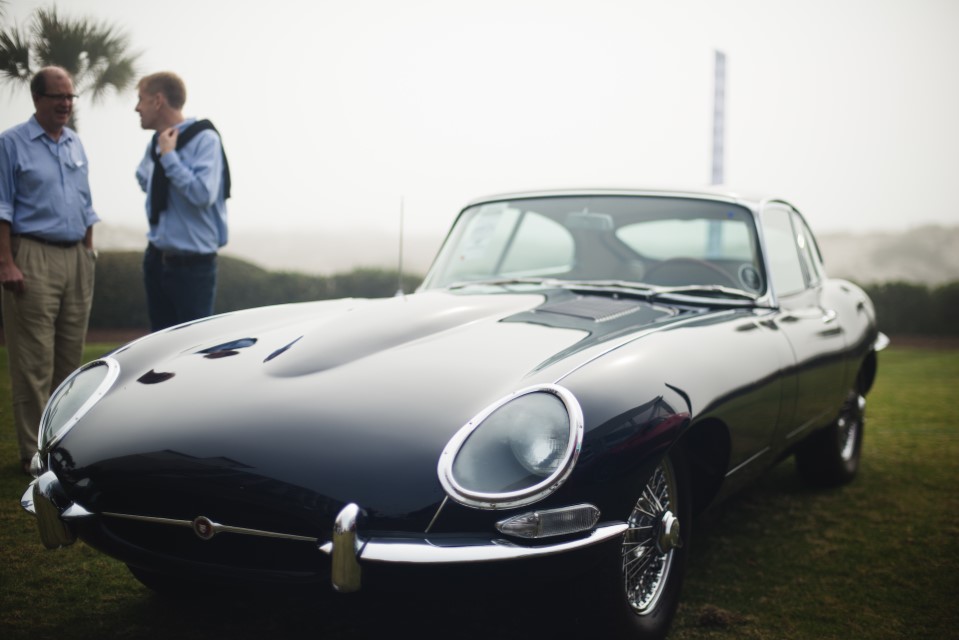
(95, 54)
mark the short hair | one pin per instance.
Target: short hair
(167, 83)
(38, 84)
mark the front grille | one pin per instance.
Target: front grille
(237, 551)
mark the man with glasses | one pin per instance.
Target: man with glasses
(46, 251)
(186, 177)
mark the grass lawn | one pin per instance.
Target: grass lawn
(873, 560)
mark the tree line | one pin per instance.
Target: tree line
(118, 303)
(906, 308)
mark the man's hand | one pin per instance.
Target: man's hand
(11, 278)
(167, 140)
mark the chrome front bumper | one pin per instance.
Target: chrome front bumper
(57, 517)
(45, 499)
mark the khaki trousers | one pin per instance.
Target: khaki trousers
(45, 328)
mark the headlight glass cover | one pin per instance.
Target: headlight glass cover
(516, 452)
(74, 397)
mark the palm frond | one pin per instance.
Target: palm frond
(14, 56)
(95, 53)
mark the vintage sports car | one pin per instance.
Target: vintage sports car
(579, 373)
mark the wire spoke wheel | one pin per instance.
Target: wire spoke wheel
(650, 541)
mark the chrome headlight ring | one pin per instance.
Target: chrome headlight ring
(515, 452)
(74, 398)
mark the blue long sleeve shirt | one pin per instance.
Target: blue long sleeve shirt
(44, 184)
(195, 219)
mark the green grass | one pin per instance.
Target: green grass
(873, 560)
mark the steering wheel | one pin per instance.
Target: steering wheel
(683, 271)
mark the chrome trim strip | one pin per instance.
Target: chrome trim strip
(436, 515)
(217, 527)
(425, 552)
(37, 489)
(743, 464)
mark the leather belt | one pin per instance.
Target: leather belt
(63, 244)
(180, 259)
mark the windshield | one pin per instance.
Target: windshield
(652, 240)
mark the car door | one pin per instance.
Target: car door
(813, 387)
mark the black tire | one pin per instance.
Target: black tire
(639, 588)
(830, 457)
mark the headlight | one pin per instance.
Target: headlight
(74, 397)
(519, 450)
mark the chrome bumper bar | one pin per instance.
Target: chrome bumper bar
(45, 499)
(347, 549)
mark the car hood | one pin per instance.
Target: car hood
(323, 403)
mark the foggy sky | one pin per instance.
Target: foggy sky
(332, 112)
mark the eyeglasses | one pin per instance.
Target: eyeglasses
(61, 97)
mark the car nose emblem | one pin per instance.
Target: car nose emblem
(204, 528)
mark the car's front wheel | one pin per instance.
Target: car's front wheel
(830, 457)
(640, 589)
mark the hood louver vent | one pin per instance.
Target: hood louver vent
(592, 308)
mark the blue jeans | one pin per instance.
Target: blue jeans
(179, 287)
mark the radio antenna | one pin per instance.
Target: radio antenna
(719, 119)
(399, 268)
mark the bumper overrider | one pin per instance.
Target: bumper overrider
(348, 548)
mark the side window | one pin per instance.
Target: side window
(808, 251)
(782, 252)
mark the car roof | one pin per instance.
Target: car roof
(750, 200)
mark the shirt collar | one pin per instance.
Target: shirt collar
(186, 123)
(35, 131)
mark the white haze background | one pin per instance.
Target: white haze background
(333, 113)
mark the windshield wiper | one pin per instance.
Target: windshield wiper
(499, 282)
(713, 291)
(709, 290)
(693, 293)
(625, 286)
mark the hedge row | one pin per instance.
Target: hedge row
(902, 308)
(119, 301)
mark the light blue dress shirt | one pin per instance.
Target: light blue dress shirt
(195, 218)
(44, 184)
